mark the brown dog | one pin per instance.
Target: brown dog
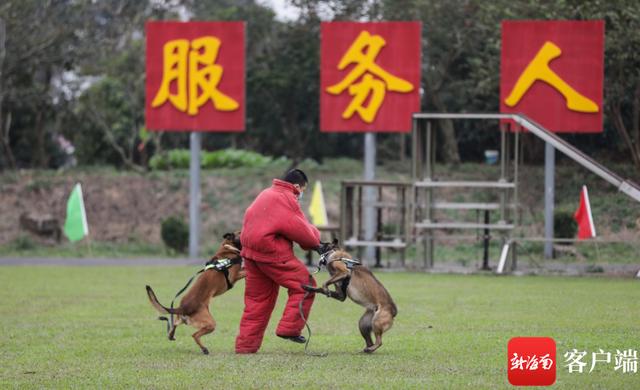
(221, 272)
(358, 283)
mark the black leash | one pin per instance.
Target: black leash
(306, 344)
(170, 319)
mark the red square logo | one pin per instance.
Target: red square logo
(195, 76)
(552, 71)
(531, 361)
(369, 76)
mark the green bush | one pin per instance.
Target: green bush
(23, 243)
(225, 158)
(564, 226)
(175, 234)
(159, 162)
(179, 158)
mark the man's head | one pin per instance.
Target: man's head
(297, 178)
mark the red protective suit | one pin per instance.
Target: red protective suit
(271, 224)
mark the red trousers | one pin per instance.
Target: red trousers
(260, 295)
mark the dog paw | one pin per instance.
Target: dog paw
(205, 351)
(371, 349)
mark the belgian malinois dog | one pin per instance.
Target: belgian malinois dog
(221, 273)
(358, 283)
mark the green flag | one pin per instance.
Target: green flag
(75, 226)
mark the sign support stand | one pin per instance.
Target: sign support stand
(195, 140)
(549, 190)
(369, 196)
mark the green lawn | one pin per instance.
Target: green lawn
(92, 327)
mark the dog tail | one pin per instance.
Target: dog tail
(155, 303)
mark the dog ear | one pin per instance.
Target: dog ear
(229, 236)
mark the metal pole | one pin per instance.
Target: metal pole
(194, 194)
(503, 174)
(549, 189)
(430, 162)
(486, 238)
(369, 211)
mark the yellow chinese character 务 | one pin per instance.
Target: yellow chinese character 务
(191, 65)
(363, 52)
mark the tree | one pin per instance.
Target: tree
(28, 104)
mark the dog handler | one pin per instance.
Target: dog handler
(271, 225)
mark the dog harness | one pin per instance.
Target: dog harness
(223, 265)
(350, 263)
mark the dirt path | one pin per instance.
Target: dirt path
(24, 261)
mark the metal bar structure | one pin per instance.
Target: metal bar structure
(424, 180)
(426, 186)
(410, 217)
(392, 212)
(625, 186)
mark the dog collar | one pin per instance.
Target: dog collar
(324, 257)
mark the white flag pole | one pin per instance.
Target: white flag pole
(85, 225)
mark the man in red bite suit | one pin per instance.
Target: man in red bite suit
(271, 225)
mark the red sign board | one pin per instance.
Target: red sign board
(552, 71)
(369, 76)
(195, 76)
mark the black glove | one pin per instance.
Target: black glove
(324, 247)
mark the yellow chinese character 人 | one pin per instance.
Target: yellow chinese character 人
(363, 52)
(192, 65)
(539, 70)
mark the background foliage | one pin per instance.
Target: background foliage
(80, 74)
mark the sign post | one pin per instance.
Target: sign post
(195, 140)
(369, 83)
(195, 81)
(549, 193)
(552, 71)
(370, 196)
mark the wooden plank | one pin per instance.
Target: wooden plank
(376, 183)
(329, 228)
(463, 225)
(382, 244)
(465, 184)
(465, 206)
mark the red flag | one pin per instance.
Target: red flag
(583, 217)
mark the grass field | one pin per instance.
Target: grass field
(92, 327)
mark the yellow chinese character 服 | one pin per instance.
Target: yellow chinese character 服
(363, 52)
(191, 65)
